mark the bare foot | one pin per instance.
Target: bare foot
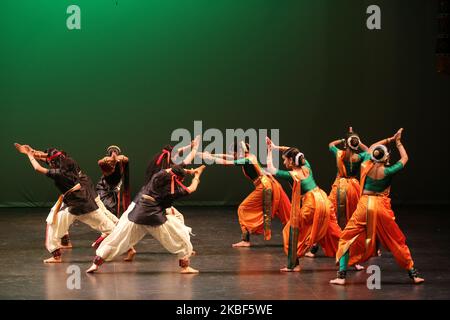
(53, 260)
(310, 255)
(241, 244)
(130, 255)
(92, 269)
(418, 280)
(69, 246)
(188, 270)
(338, 281)
(296, 269)
(359, 267)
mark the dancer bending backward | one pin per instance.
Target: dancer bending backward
(374, 217)
(312, 215)
(345, 191)
(114, 185)
(148, 217)
(266, 201)
(78, 195)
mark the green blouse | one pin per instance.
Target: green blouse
(306, 184)
(379, 185)
(352, 168)
(248, 167)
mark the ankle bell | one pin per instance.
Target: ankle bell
(184, 263)
(413, 273)
(56, 253)
(65, 241)
(98, 261)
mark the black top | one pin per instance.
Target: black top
(81, 201)
(108, 188)
(153, 213)
(114, 178)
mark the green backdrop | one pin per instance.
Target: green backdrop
(137, 70)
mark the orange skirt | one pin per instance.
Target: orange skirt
(251, 211)
(317, 225)
(344, 196)
(372, 220)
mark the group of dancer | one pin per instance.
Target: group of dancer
(349, 224)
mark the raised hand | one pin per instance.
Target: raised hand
(23, 148)
(398, 135)
(198, 171)
(270, 144)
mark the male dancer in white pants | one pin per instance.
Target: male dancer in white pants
(77, 193)
(147, 216)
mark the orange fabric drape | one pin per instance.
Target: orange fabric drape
(372, 220)
(317, 224)
(251, 210)
(344, 196)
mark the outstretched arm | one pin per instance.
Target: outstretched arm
(223, 156)
(213, 156)
(26, 149)
(217, 158)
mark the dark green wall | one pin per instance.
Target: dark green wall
(139, 69)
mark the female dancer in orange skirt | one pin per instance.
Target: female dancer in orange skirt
(312, 216)
(345, 190)
(344, 193)
(266, 201)
(374, 219)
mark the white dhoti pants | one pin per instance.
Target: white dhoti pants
(97, 220)
(108, 213)
(173, 235)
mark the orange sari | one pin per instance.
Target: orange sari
(373, 219)
(344, 193)
(261, 205)
(312, 221)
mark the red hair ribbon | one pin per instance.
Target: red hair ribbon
(164, 152)
(56, 155)
(172, 184)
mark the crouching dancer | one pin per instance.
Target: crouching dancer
(76, 202)
(147, 216)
